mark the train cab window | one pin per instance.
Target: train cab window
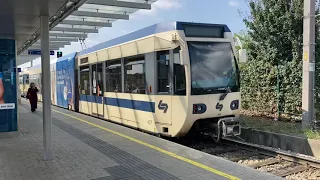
(113, 76)
(179, 74)
(84, 80)
(96, 80)
(163, 58)
(135, 75)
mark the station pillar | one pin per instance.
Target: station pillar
(46, 80)
(8, 89)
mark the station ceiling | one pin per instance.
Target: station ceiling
(69, 21)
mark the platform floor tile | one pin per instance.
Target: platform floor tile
(84, 151)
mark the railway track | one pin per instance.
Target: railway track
(281, 163)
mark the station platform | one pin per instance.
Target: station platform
(86, 148)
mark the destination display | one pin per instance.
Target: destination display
(203, 31)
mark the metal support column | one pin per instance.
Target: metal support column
(308, 64)
(46, 79)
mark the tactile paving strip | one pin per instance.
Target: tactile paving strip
(130, 167)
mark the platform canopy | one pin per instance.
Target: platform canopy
(70, 21)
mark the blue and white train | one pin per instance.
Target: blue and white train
(165, 79)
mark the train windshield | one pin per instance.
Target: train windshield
(213, 68)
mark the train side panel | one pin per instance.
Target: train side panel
(142, 111)
(65, 81)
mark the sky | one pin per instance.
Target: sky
(202, 11)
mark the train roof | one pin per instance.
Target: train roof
(154, 29)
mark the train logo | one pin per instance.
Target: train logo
(163, 106)
(219, 106)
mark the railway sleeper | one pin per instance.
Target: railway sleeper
(291, 170)
(265, 163)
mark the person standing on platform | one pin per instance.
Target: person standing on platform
(33, 96)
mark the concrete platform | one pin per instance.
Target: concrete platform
(88, 148)
(296, 144)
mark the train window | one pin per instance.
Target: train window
(96, 79)
(113, 76)
(84, 80)
(26, 78)
(135, 75)
(163, 58)
(179, 74)
(99, 80)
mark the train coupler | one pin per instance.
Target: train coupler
(230, 126)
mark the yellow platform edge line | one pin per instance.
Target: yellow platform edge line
(217, 172)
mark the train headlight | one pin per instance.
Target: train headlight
(234, 105)
(199, 108)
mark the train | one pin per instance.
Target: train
(166, 79)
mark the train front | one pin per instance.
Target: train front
(214, 82)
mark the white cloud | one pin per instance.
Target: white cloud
(167, 4)
(158, 6)
(233, 3)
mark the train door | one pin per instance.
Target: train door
(100, 90)
(76, 91)
(97, 90)
(163, 100)
(84, 89)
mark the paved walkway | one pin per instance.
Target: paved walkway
(92, 149)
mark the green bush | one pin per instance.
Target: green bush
(274, 42)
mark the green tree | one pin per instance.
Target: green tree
(275, 28)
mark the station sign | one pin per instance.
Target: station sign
(38, 52)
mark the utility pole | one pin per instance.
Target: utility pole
(308, 80)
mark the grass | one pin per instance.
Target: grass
(283, 127)
(312, 135)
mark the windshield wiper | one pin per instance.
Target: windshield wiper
(227, 89)
(199, 88)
